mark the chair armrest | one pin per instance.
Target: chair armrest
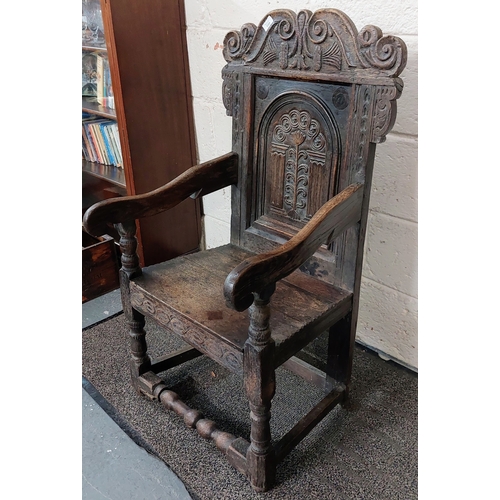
(260, 271)
(197, 181)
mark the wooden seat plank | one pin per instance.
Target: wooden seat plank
(193, 286)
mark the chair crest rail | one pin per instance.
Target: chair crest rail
(323, 42)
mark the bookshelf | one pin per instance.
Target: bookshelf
(145, 45)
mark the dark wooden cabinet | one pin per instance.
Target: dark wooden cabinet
(146, 46)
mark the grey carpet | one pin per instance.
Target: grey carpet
(368, 451)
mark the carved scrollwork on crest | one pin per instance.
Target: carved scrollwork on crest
(326, 41)
(382, 52)
(236, 42)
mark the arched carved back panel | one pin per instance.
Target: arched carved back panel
(296, 161)
(298, 134)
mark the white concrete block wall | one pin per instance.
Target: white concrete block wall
(388, 309)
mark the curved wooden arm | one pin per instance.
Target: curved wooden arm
(258, 272)
(197, 181)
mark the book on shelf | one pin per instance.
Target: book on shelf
(85, 154)
(99, 140)
(105, 95)
(111, 131)
(96, 132)
(88, 150)
(95, 144)
(115, 137)
(109, 149)
(89, 143)
(89, 74)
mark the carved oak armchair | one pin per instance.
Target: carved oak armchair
(310, 97)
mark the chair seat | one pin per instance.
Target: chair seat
(185, 295)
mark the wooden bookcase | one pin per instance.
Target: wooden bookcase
(146, 47)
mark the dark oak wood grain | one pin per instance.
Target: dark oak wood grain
(309, 97)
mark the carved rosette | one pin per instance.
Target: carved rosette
(326, 41)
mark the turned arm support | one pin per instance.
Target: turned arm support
(260, 271)
(197, 181)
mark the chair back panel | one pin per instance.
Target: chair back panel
(298, 143)
(310, 97)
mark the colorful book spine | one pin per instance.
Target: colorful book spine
(104, 87)
(112, 144)
(90, 155)
(92, 146)
(85, 154)
(109, 149)
(116, 136)
(95, 141)
(96, 128)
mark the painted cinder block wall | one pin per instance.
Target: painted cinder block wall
(388, 308)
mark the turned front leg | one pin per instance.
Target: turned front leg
(140, 362)
(260, 384)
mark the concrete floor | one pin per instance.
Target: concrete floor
(114, 467)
